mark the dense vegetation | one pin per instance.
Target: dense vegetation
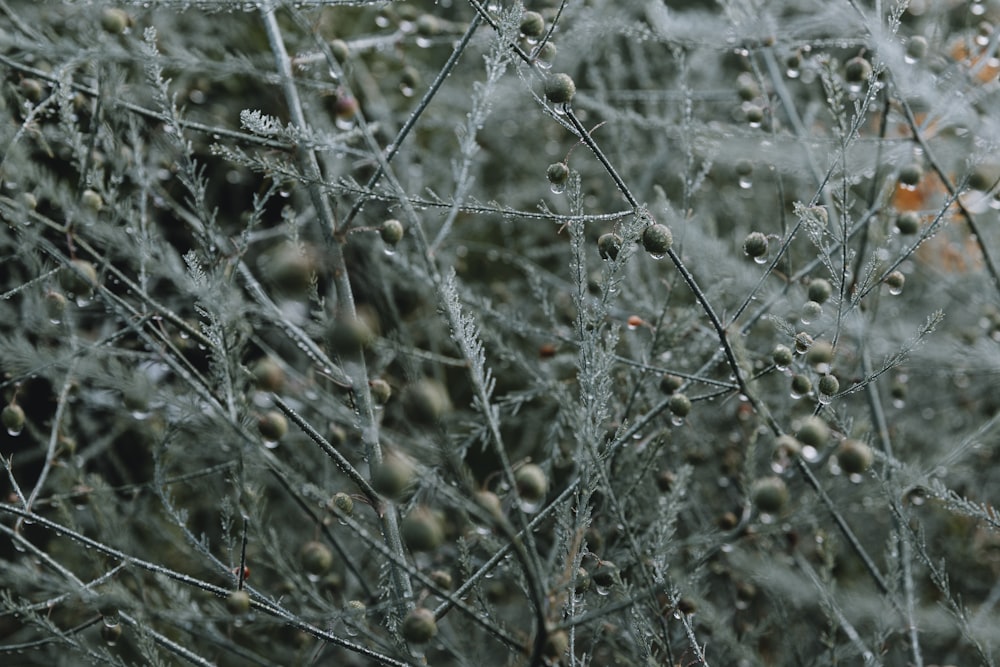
(580, 333)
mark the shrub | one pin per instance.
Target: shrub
(426, 333)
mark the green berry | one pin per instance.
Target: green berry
(755, 245)
(79, 278)
(781, 356)
(91, 200)
(426, 401)
(854, 456)
(895, 280)
(801, 384)
(911, 174)
(381, 391)
(32, 89)
(392, 477)
(916, 47)
(803, 341)
(419, 627)
(490, 502)
(344, 503)
(857, 70)
(268, 375)
(238, 602)
(557, 173)
(316, 558)
(350, 334)
(755, 114)
(115, 20)
(421, 530)
(391, 231)
(532, 24)
(744, 167)
(819, 290)
(531, 482)
(559, 88)
(670, 383)
(442, 579)
(829, 385)
(548, 52)
(556, 645)
(272, 425)
(811, 310)
(111, 633)
(770, 494)
(813, 432)
(606, 574)
(908, 223)
(680, 405)
(657, 239)
(13, 418)
(820, 353)
(609, 245)
(341, 52)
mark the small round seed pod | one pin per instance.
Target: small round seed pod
(381, 391)
(343, 502)
(755, 245)
(391, 231)
(419, 627)
(657, 239)
(559, 88)
(801, 384)
(821, 352)
(91, 200)
(13, 418)
(238, 603)
(819, 290)
(670, 383)
(911, 174)
(854, 456)
(829, 385)
(392, 477)
(532, 483)
(916, 47)
(532, 24)
(813, 432)
(908, 223)
(115, 20)
(272, 425)
(421, 530)
(857, 70)
(557, 173)
(79, 278)
(609, 245)
(680, 405)
(782, 356)
(895, 281)
(426, 401)
(770, 494)
(316, 558)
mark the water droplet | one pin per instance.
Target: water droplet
(792, 73)
(14, 432)
(677, 421)
(557, 188)
(270, 444)
(746, 182)
(760, 260)
(895, 291)
(810, 453)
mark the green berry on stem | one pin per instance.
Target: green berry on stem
(609, 245)
(268, 375)
(670, 383)
(79, 278)
(895, 280)
(392, 477)
(857, 70)
(820, 353)
(829, 385)
(770, 494)
(316, 558)
(426, 401)
(606, 574)
(908, 223)
(272, 425)
(559, 88)
(813, 432)
(801, 385)
(115, 20)
(854, 456)
(657, 239)
(419, 627)
(91, 200)
(13, 418)
(391, 231)
(916, 47)
(489, 502)
(557, 173)
(238, 603)
(381, 391)
(680, 405)
(421, 530)
(532, 24)
(782, 356)
(755, 245)
(341, 52)
(911, 174)
(819, 290)
(532, 483)
(344, 503)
